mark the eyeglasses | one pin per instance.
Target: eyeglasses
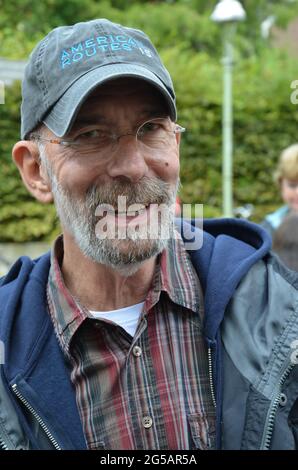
(155, 134)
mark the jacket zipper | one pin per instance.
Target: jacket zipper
(210, 368)
(271, 419)
(3, 445)
(36, 416)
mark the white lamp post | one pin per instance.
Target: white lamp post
(228, 12)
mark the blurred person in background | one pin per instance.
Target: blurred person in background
(285, 241)
(286, 176)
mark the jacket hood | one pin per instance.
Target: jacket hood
(229, 247)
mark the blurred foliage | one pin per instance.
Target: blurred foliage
(24, 22)
(21, 217)
(265, 121)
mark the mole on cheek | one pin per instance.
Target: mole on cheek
(166, 164)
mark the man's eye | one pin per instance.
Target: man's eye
(92, 134)
(151, 126)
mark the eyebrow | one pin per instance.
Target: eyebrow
(88, 120)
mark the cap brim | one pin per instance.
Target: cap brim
(61, 117)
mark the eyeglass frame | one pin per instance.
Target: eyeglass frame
(72, 144)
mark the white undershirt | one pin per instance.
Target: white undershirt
(126, 317)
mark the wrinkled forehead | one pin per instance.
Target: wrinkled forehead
(127, 89)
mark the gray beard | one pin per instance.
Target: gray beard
(77, 216)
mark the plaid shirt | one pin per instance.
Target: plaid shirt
(151, 391)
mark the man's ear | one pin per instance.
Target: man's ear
(178, 138)
(25, 154)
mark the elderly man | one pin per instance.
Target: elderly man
(127, 336)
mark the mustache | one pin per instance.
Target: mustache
(145, 192)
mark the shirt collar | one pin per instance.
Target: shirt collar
(66, 312)
(177, 275)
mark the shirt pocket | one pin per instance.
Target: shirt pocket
(202, 430)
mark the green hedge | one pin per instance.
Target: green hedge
(21, 217)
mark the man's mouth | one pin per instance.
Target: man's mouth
(134, 211)
(131, 213)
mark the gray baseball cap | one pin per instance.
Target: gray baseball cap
(71, 61)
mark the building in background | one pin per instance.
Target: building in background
(11, 70)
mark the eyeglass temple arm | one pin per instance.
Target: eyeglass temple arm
(179, 129)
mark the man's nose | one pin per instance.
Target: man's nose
(127, 159)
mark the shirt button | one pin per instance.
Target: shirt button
(147, 422)
(137, 351)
